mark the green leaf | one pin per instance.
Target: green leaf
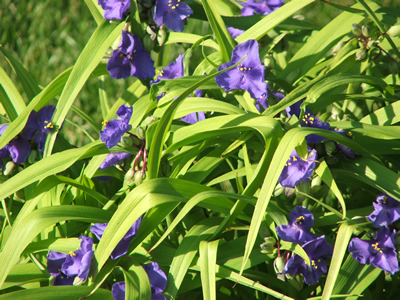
(10, 98)
(59, 293)
(224, 39)
(88, 60)
(207, 261)
(190, 38)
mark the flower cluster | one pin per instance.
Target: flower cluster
(36, 129)
(72, 268)
(157, 278)
(380, 251)
(317, 248)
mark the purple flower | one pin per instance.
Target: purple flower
(66, 267)
(248, 75)
(46, 127)
(130, 59)
(234, 32)
(157, 278)
(123, 245)
(298, 169)
(309, 120)
(298, 230)
(261, 7)
(115, 9)
(317, 251)
(18, 148)
(172, 71)
(347, 152)
(387, 211)
(115, 129)
(172, 13)
(379, 252)
(112, 159)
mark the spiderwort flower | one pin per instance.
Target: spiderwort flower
(115, 9)
(387, 211)
(67, 267)
(18, 148)
(298, 230)
(317, 250)
(172, 71)
(248, 75)
(261, 7)
(45, 127)
(309, 120)
(115, 129)
(379, 252)
(112, 159)
(298, 169)
(234, 32)
(172, 13)
(123, 245)
(158, 283)
(130, 59)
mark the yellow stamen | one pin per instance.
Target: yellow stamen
(48, 125)
(72, 253)
(105, 122)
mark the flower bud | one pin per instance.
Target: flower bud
(130, 177)
(150, 120)
(9, 168)
(269, 62)
(394, 31)
(371, 44)
(279, 265)
(366, 31)
(140, 133)
(338, 47)
(139, 176)
(394, 67)
(161, 36)
(32, 157)
(330, 147)
(361, 54)
(268, 246)
(128, 141)
(356, 30)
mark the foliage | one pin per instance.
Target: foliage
(208, 187)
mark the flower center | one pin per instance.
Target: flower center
(383, 200)
(290, 160)
(376, 247)
(48, 125)
(105, 122)
(313, 264)
(299, 220)
(173, 4)
(72, 253)
(308, 118)
(243, 68)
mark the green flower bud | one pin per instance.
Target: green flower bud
(32, 156)
(361, 54)
(130, 177)
(128, 141)
(394, 67)
(139, 176)
(366, 31)
(356, 30)
(279, 265)
(268, 246)
(140, 133)
(338, 47)
(330, 147)
(9, 168)
(394, 31)
(269, 62)
(161, 36)
(150, 120)
(371, 43)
